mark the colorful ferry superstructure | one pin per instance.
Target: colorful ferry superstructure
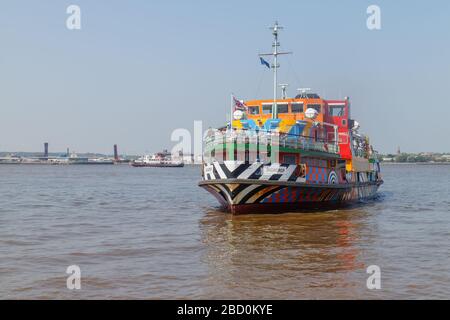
(288, 154)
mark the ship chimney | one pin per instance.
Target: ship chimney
(46, 150)
(116, 154)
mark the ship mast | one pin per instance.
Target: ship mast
(275, 28)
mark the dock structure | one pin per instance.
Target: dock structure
(59, 159)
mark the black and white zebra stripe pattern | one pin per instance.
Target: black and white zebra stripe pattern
(243, 193)
(257, 170)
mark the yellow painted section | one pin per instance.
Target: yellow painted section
(286, 124)
(348, 165)
(237, 124)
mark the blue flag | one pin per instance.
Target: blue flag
(264, 62)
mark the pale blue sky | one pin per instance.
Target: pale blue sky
(139, 69)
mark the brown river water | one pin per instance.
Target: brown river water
(151, 233)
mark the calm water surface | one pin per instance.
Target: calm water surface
(152, 233)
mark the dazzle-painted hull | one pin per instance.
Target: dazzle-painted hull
(289, 154)
(256, 196)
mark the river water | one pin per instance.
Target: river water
(151, 233)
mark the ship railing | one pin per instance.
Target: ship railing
(361, 153)
(270, 138)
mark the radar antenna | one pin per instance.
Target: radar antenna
(304, 92)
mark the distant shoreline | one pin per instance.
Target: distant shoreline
(416, 163)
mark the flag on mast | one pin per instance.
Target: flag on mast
(264, 62)
(238, 105)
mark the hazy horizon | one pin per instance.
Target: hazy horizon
(137, 70)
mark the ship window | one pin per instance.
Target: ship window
(267, 109)
(289, 159)
(337, 111)
(315, 106)
(312, 162)
(282, 108)
(253, 109)
(297, 107)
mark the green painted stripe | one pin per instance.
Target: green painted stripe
(241, 146)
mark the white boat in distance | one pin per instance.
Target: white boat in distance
(160, 159)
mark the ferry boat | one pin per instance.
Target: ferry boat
(160, 159)
(286, 154)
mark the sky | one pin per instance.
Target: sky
(137, 70)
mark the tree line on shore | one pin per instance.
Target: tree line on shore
(415, 157)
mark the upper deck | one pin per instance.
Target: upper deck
(294, 109)
(330, 125)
